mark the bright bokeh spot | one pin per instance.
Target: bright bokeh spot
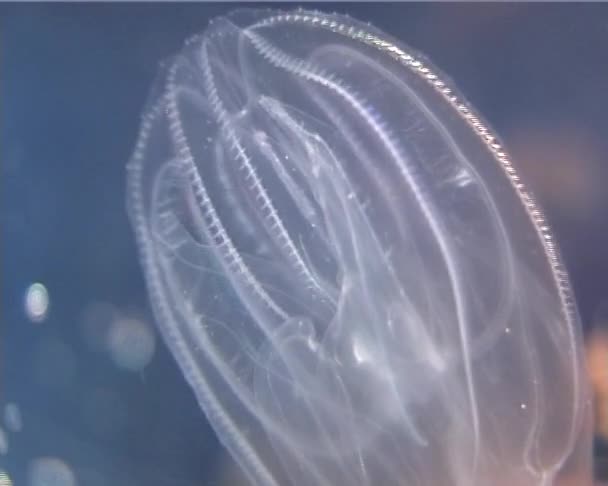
(49, 471)
(131, 343)
(37, 302)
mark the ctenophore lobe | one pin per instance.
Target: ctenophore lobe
(347, 268)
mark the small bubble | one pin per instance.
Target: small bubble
(36, 302)
(131, 344)
(50, 471)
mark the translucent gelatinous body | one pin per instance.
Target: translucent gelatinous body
(346, 266)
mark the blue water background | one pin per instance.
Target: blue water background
(73, 81)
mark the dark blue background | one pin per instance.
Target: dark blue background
(73, 81)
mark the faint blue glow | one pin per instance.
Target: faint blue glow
(37, 302)
(54, 363)
(131, 343)
(49, 471)
(3, 442)
(104, 412)
(97, 318)
(12, 417)
(600, 314)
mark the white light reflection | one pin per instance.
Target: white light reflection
(37, 302)
(5, 479)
